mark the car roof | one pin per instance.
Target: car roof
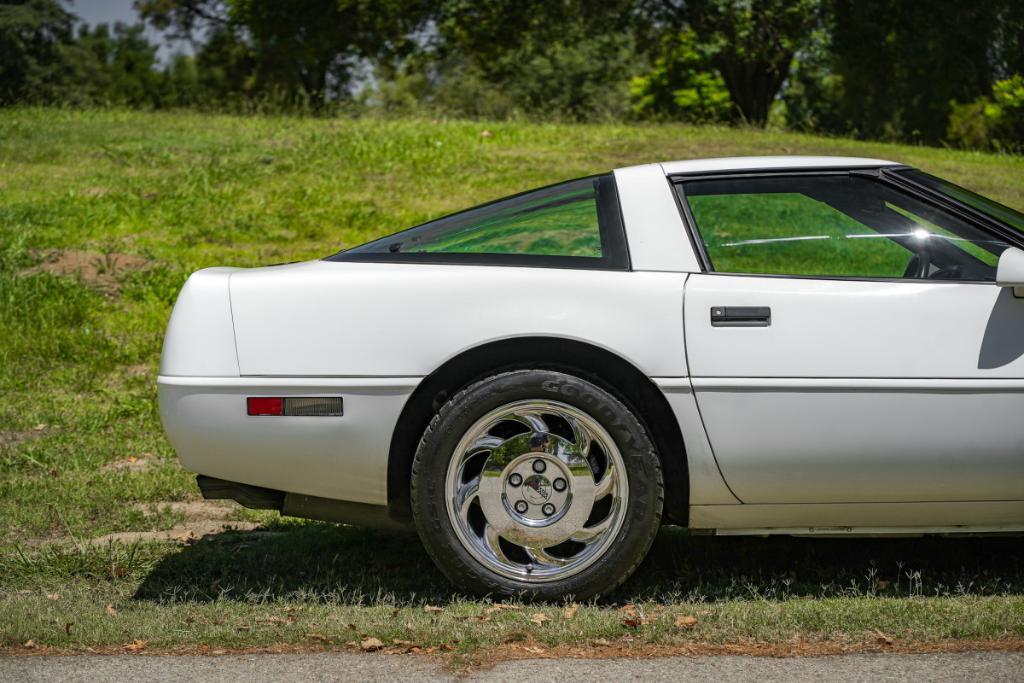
(769, 163)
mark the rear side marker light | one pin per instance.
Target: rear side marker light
(295, 406)
(259, 405)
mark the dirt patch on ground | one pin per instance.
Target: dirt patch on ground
(193, 510)
(14, 437)
(133, 463)
(181, 533)
(98, 270)
(202, 518)
(622, 650)
(489, 657)
(137, 371)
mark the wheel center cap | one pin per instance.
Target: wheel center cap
(536, 489)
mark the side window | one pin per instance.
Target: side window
(833, 226)
(577, 223)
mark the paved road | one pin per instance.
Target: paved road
(974, 667)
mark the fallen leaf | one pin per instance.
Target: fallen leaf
(39, 427)
(67, 628)
(275, 621)
(570, 611)
(628, 610)
(685, 621)
(135, 646)
(402, 643)
(111, 610)
(432, 608)
(632, 623)
(486, 134)
(482, 617)
(534, 650)
(30, 644)
(317, 636)
(498, 606)
(371, 645)
(539, 618)
(602, 642)
(883, 638)
(53, 596)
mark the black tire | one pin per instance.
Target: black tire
(643, 510)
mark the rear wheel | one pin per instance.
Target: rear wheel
(536, 483)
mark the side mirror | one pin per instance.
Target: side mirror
(1010, 271)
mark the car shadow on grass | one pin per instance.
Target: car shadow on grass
(352, 566)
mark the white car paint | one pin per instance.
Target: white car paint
(200, 338)
(326, 318)
(861, 392)
(344, 459)
(773, 418)
(656, 232)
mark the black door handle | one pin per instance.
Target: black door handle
(741, 316)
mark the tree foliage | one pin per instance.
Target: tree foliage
(297, 51)
(942, 71)
(681, 85)
(750, 42)
(569, 59)
(39, 59)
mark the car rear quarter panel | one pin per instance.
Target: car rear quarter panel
(365, 319)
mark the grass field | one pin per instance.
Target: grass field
(102, 217)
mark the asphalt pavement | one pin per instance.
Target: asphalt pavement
(971, 666)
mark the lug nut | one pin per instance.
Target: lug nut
(539, 466)
(548, 509)
(559, 484)
(521, 507)
(515, 479)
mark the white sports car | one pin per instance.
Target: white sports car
(778, 345)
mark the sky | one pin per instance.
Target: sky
(94, 12)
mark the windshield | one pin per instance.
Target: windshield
(999, 212)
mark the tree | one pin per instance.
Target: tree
(681, 85)
(750, 42)
(564, 59)
(901, 64)
(39, 59)
(129, 73)
(300, 51)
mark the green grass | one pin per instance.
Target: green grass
(79, 354)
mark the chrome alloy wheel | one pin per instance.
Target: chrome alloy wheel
(536, 490)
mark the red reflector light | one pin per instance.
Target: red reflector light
(265, 406)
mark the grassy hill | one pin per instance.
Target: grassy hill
(102, 216)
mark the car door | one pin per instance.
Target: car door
(847, 342)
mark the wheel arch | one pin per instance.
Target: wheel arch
(604, 368)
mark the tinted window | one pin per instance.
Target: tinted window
(574, 223)
(834, 226)
(1004, 214)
